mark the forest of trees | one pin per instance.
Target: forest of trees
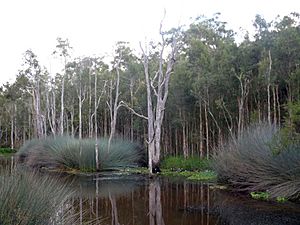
(218, 86)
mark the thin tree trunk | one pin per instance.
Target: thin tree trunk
(278, 106)
(72, 121)
(114, 106)
(12, 130)
(131, 113)
(96, 126)
(206, 131)
(105, 123)
(274, 106)
(200, 131)
(90, 107)
(184, 136)
(62, 107)
(80, 115)
(268, 88)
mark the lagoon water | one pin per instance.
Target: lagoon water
(120, 199)
(117, 198)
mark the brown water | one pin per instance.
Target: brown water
(136, 200)
(113, 198)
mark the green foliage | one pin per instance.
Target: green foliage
(266, 196)
(290, 133)
(281, 199)
(27, 198)
(248, 163)
(192, 168)
(260, 195)
(5, 151)
(78, 154)
(180, 163)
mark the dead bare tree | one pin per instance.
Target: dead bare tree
(157, 93)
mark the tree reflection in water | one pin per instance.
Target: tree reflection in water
(155, 207)
(114, 210)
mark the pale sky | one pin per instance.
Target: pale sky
(94, 26)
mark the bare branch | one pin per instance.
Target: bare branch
(152, 83)
(132, 110)
(102, 92)
(108, 105)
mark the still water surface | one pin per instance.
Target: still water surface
(138, 200)
(113, 198)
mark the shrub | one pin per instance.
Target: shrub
(28, 198)
(73, 153)
(248, 163)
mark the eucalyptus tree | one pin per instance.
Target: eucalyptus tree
(209, 53)
(157, 91)
(114, 84)
(264, 39)
(36, 81)
(80, 69)
(63, 50)
(287, 56)
(99, 68)
(131, 76)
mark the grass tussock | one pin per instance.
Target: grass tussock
(249, 163)
(68, 152)
(27, 198)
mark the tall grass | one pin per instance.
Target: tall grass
(26, 198)
(249, 163)
(73, 153)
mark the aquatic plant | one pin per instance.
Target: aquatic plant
(191, 175)
(248, 163)
(260, 195)
(68, 152)
(27, 198)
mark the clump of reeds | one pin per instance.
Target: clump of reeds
(252, 162)
(29, 198)
(78, 154)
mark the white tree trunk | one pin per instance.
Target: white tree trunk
(268, 87)
(160, 93)
(61, 121)
(114, 105)
(12, 118)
